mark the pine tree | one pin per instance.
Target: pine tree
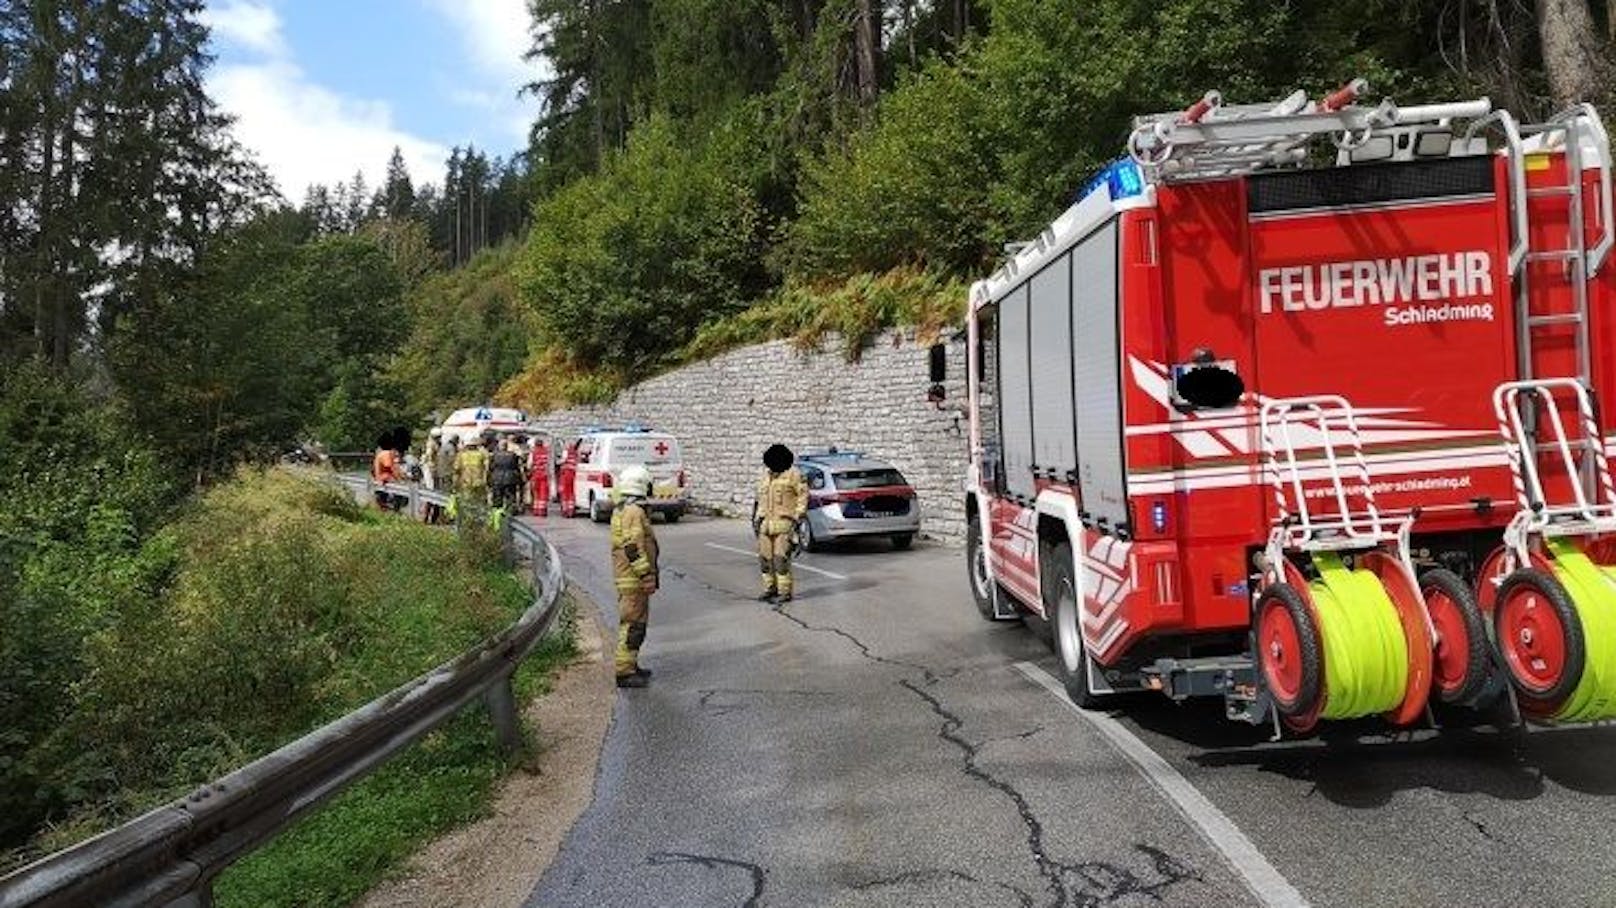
(356, 210)
(116, 165)
(398, 193)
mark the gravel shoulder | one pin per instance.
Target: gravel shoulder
(496, 861)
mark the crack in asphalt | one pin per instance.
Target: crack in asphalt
(723, 709)
(1481, 828)
(924, 876)
(1087, 884)
(1017, 736)
(863, 648)
(709, 862)
(1101, 883)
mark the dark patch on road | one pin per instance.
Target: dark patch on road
(709, 862)
(864, 650)
(1107, 884)
(1480, 827)
(913, 877)
(1017, 736)
(711, 708)
(1097, 883)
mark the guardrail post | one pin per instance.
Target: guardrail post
(502, 709)
(415, 501)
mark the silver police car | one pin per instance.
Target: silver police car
(851, 494)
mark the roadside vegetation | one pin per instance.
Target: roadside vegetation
(704, 174)
(271, 605)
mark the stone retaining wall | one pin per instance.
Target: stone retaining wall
(726, 410)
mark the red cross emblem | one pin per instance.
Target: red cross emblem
(661, 449)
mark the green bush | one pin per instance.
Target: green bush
(622, 266)
(282, 605)
(911, 189)
(856, 309)
(81, 491)
(469, 333)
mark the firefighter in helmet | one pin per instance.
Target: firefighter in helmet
(634, 569)
(781, 505)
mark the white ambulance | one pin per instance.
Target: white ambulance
(469, 423)
(603, 453)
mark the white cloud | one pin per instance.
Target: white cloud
(306, 133)
(495, 35)
(251, 25)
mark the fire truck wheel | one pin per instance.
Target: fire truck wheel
(1462, 659)
(1288, 650)
(596, 512)
(1060, 602)
(976, 563)
(1539, 637)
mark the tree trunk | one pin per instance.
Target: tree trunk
(867, 47)
(596, 95)
(1571, 51)
(909, 29)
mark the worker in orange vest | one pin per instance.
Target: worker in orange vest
(384, 468)
(539, 475)
(567, 476)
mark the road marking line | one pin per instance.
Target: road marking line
(1262, 878)
(796, 564)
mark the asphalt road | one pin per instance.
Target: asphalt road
(876, 743)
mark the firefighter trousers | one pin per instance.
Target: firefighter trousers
(633, 610)
(774, 561)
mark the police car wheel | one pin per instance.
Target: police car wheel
(811, 543)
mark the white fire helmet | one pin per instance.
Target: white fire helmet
(635, 481)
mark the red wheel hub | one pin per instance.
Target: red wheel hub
(1279, 647)
(1532, 639)
(1452, 662)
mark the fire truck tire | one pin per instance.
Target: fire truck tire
(1289, 653)
(1060, 602)
(1540, 638)
(1462, 658)
(672, 515)
(983, 589)
(596, 512)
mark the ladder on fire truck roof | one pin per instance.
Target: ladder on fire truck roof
(1580, 135)
(1210, 139)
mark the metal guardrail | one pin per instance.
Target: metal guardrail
(171, 856)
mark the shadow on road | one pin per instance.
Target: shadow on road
(1363, 764)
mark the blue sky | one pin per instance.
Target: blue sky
(322, 88)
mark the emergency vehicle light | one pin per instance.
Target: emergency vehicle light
(1121, 179)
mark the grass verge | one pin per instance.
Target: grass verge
(333, 857)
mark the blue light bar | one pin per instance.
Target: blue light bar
(1121, 179)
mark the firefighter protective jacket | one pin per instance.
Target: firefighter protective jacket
(634, 549)
(782, 500)
(471, 470)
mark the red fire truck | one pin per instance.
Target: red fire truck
(1298, 406)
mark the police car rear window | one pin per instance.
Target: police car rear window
(869, 479)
